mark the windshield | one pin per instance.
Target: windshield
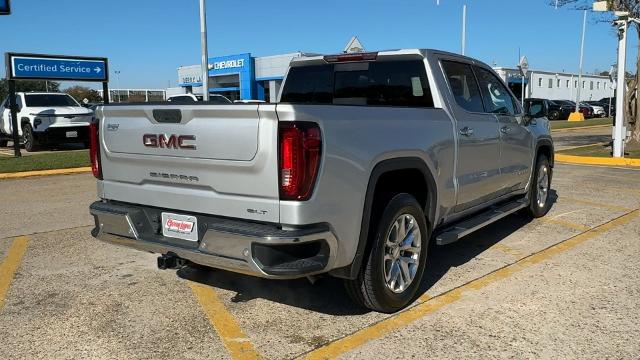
(46, 100)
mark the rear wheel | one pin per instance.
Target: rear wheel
(30, 142)
(3, 142)
(554, 115)
(392, 271)
(539, 191)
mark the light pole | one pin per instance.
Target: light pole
(464, 27)
(203, 44)
(584, 26)
(117, 72)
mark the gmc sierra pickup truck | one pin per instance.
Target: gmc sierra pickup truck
(364, 159)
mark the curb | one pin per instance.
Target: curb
(25, 174)
(591, 160)
(581, 128)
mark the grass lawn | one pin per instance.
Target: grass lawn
(565, 124)
(46, 161)
(630, 151)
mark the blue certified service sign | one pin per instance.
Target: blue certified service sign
(58, 68)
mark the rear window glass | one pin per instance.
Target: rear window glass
(181, 99)
(44, 100)
(382, 83)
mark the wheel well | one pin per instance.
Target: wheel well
(388, 178)
(25, 120)
(546, 151)
(410, 181)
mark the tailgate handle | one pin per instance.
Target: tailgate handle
(167, 116)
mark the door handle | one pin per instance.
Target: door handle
(505, 129)
(466, 131)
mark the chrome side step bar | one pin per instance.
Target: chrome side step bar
(466, 227)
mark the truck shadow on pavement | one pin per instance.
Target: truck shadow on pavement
(328, 295)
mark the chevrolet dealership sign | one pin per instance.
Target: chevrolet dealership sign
(228, 64)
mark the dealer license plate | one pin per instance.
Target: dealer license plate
(178, 226)
(72, 134)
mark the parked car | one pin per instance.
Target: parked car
(586, 110)
(46, 119)
(548, 108)
(191, 98)
(365, 158)
(605, 107)
(598, 109)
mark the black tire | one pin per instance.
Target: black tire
(554, 115)
(3, 143)
(537, 208)
(370, 288)
(30, 142)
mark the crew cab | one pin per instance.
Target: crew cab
(363, 161)
(46, 119)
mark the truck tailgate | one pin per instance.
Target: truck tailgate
(211, 159)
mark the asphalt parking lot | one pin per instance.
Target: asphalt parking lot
(568, 138)
(564, 286)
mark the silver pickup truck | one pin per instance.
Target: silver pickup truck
(365, 159)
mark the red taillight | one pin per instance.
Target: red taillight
(300, 151)
(94, 150)
(351, 57)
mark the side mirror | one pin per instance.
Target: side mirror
(527, 119)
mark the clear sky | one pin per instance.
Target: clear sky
(146, 40)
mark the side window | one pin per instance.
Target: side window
(535, 108)
(463, 85)
(497, 99)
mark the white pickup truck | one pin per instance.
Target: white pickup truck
(364, 161)
(46, 119)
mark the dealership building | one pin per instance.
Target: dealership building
(238, 77)
(244, 77)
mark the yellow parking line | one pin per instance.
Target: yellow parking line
(10, 264)
(565, 223)
(404, 318)
(596, 204)
(236, 342)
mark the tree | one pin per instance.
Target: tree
(81, 92)
(28, 85)
(632, 102)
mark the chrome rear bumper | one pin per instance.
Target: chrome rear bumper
(250, 248)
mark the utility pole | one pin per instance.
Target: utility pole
(584, 27)
(464, 26)
(205, 53)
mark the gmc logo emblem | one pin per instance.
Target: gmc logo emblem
(170, 142)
